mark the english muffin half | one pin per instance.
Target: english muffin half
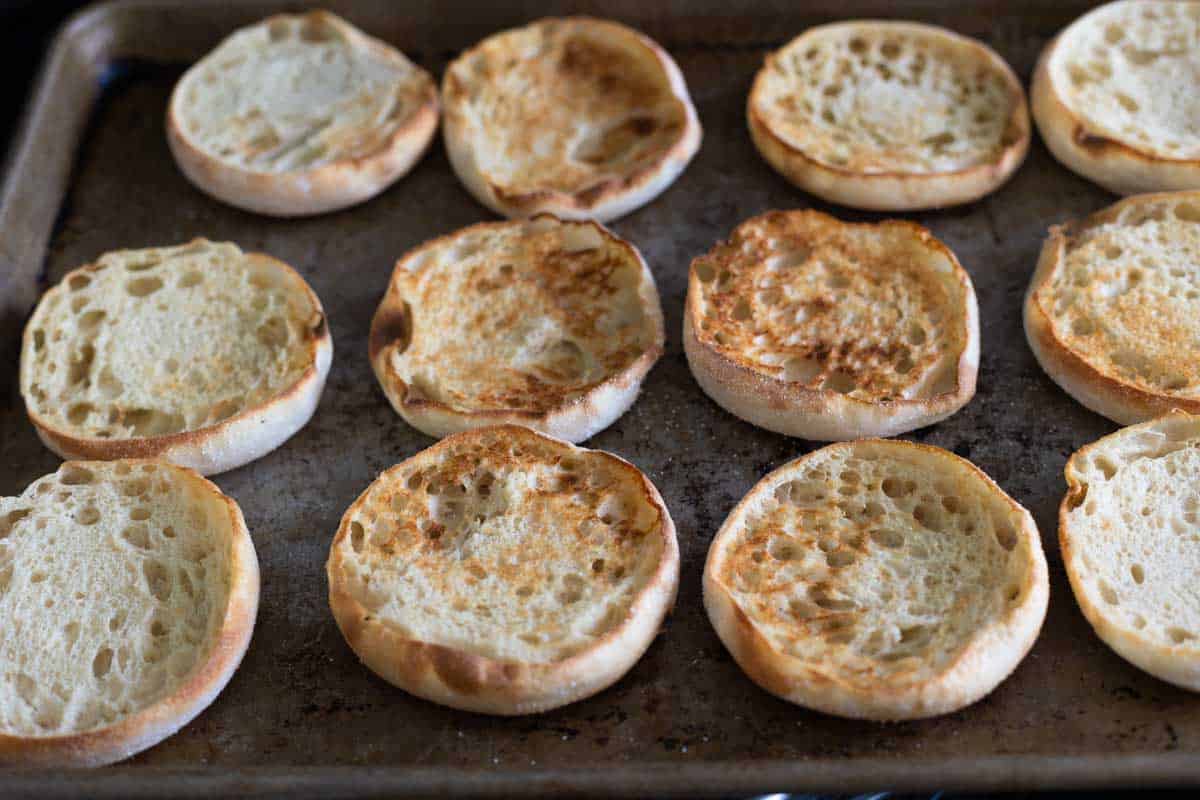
(1129, 529)
(544, 323)
(199, 354)
(879, 580)
(579, 117)
(812, 327)
(1113, 310)
(128, 591)
(300, 114)
(1114, 96)
(503, 571)
(889, 116)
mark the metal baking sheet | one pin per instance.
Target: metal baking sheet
(90, 172)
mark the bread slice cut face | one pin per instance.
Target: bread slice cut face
(1129, 529)
(889, 116)
(541, 322)
(199, 354)
(1114, 96)
(583, 118)
(808, 326)
(300, 114)
(1113, 310)
(504, 572)
(877, 579)
(128, 591)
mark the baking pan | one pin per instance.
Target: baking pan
(90, 172)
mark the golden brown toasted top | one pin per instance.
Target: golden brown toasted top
(504, 543)
(889, 97)
(876, 561)
(565, 105)
(1124, 292)
(874, 311)
(523, 316)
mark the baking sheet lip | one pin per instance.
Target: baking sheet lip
(21, 253)
(712, 779)
(53, 64)
(624, 778)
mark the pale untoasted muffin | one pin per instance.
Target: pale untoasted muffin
(199, 354)
(1114, 96)
(503, 571)
(541, 322)
(877, 579)
(812, 327)
(579, 117)
(1129, 530)
(890, 116)
(1113, 310)
(300, 114)
(128, 591)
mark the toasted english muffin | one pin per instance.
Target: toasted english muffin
(1129, 531)
(889, 116)
(300, 114)
(542, 322)
(1130, 543)
(1113, 310)
(503, 571)
(877, 579)
(199, 354)
(812, 327)
(1114, 96)
(583, 118)
(128, 591)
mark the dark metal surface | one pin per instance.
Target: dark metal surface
(301, 713)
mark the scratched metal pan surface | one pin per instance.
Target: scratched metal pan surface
(91, 172)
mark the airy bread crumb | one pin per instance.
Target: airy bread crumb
(1129, 528)
(889, 115)
(198, 353)
(1114, 96)
(300, 114)
(128, 590)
